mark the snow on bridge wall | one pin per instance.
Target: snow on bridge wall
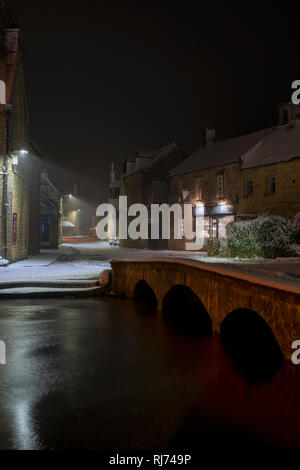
(220, 290)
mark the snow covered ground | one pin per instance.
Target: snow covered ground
(86, 261)
(52, 266)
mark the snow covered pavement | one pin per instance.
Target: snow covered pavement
(77, 267)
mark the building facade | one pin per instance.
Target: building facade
(241, 178)
(51, 213)
(145, 181)
(20, 167)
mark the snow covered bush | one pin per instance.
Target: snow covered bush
(212, 246)
(263, 237)
(224, 250)
(3, 261)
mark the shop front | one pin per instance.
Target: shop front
(216, 218)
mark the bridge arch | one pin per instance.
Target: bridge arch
(145, 293)
(183, 309)
(251, 343)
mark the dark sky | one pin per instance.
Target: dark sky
(107, 77)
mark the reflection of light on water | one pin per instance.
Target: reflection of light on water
(23, 424)
(25, 437)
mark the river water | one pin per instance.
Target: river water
(111, 374)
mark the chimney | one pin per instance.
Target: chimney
(291, 116)
(288, 113)
(11, 44)
(112, 174)
(209, 136)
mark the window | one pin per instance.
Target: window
(184, 195)
(248, 188)
(199, 191)
(269, 184)
(180, 188)
(221, 185)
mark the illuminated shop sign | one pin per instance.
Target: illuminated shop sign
(219, 209)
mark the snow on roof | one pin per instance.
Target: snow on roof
(280, 145)
(220, 153)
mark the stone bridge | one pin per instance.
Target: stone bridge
(235, 304)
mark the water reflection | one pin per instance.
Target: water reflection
(104, 374)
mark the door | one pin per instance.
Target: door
(45, 231)
(214, 232)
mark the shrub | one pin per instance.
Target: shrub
(213, 246)
(263, 237)
(224, 250)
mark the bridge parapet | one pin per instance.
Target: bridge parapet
(221, 291)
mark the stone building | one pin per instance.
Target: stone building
(269, 176)
(242, 177)
(145, 181)
(20, 166)
(51, 213)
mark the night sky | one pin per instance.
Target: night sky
(107, 77)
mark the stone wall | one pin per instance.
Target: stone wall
(219, 292)
(286, 199)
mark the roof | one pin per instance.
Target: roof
(220, 153)
(153, 156)
(45, 179)
(280, 145)
(48, 207)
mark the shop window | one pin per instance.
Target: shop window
(269, 184)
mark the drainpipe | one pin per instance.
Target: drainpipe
(5, 204)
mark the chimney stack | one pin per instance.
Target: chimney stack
(291, 116)
(209, 136)
(11, 44)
